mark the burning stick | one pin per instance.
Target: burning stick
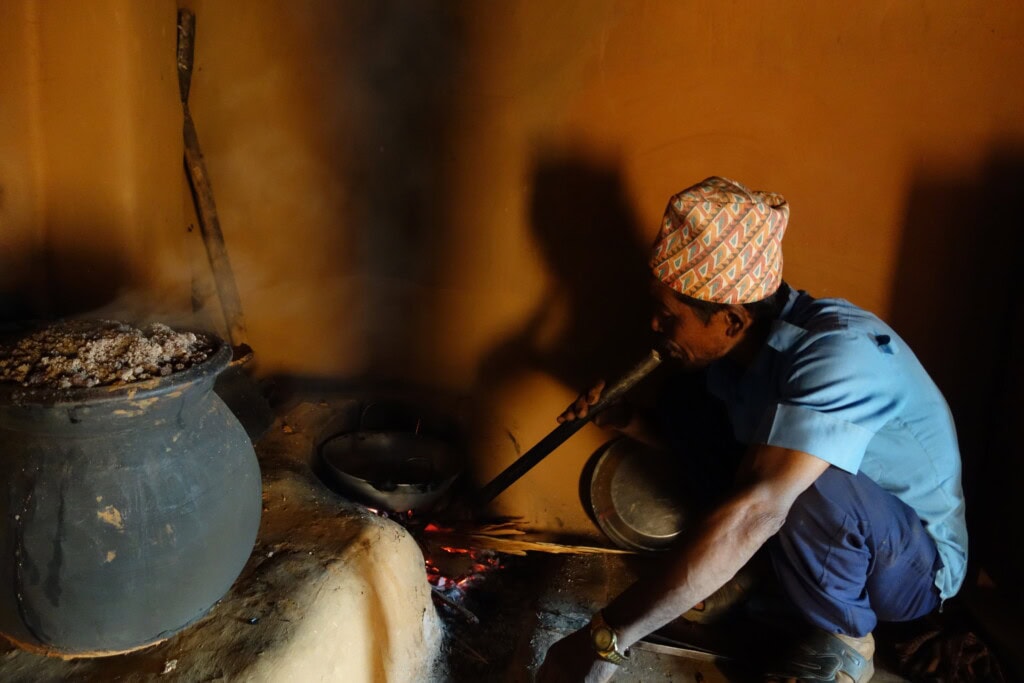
(498, 537)
(516, 547)
(476, 655)
(456, 607)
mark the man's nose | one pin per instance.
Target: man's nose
(656, 323)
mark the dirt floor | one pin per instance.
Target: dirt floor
(539, 599)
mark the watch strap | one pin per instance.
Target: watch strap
(612, 653)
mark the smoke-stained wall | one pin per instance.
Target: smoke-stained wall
(90, 157)
(460, 194)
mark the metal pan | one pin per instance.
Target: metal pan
(634, 494)
(392, 471)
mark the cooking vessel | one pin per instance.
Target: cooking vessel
(126, 512)
(392, 471)
(411, 470)
(633, 493)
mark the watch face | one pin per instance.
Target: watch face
(603, 639)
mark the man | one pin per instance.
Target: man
(851, 467)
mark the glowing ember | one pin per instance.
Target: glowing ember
(452, 571)
(470, 570)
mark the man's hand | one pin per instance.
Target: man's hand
(615, 416)
(572, 660)
(720, 544)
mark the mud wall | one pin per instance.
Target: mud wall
(459, 195)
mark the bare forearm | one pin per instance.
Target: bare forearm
(641, 428)
(712, 556)
(716, 550)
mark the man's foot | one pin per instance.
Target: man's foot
(823, 656)
(865, 647)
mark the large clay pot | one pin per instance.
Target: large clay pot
(127, 512)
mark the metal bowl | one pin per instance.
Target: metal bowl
(635, 496)
(392, 471)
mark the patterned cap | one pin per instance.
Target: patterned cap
(721, 242)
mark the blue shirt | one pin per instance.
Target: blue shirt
(835, 381)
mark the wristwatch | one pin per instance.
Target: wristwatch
(606, 641)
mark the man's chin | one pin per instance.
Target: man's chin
(686, 364)
(680, 360)
(674, 355)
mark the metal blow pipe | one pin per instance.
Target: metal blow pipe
(562, 432)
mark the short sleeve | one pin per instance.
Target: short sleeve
(834, 397)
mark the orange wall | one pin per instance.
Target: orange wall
(91, 156)
(459, 194)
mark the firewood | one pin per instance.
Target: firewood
(499, 540)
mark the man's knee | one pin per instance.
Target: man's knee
(845, 552)
(828, 508)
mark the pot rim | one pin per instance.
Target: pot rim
(15, 394)
(404, 495)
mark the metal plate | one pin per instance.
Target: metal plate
(635, 496)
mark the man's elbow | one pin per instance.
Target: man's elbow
(765, 521)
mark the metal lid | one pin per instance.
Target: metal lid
(636, 496)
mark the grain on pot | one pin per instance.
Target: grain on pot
(91, 353)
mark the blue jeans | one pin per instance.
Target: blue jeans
(851, 554)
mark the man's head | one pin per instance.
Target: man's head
(717, 263)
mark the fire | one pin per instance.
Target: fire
(455, 551)
(480, 563)
(452, 571)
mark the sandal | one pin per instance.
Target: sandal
(823, 656)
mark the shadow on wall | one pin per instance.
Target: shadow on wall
(595, 320)
(63, 282)
(958, 302)
(402, 65)
(386, 92)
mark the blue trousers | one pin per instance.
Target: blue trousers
(851, 554)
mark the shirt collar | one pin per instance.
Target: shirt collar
(783, 333)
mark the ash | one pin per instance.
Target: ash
(91, 353)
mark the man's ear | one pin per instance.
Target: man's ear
(737, 319)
